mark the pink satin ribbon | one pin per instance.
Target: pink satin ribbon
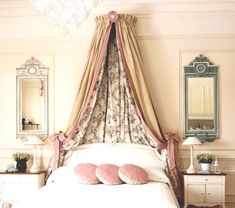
(171, 139)
(58, 140)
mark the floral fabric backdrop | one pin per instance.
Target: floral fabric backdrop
(111, 115)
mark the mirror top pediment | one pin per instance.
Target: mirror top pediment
(32, 67)
(201, 66)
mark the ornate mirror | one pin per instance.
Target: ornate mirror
(201, 99)
(32, 99)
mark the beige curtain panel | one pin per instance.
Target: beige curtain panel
(134, 63)
(94, 56)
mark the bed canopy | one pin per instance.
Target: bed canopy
(113, 104)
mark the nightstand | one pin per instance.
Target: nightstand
(204, 189)
(14, 185)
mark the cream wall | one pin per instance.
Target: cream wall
(171, 34)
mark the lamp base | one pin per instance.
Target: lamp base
(34, 170)
(191, 169)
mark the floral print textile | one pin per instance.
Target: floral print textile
(111, 115)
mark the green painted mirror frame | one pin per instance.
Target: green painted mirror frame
(201, 99)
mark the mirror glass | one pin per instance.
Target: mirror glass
(201, 99)
(201, 103)
(32, 94)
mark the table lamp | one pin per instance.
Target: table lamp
(35, 141)
(191, 141)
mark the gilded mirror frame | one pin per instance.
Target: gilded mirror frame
(30, 71)
(201, 67)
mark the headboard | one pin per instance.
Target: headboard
(119, 154)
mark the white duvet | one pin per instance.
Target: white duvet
(64, 191)
(70, 194)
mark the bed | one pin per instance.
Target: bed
(63, 189)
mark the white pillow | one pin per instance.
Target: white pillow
(156, 174)
(61, 174)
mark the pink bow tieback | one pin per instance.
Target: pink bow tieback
(58, 140)
(171, 139)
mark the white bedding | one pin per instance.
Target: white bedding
(64, 191)
(70, 194)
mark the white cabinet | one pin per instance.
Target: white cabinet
(14, 185)
(204, 190)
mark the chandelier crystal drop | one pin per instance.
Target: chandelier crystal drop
(65, 14)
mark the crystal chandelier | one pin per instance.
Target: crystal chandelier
(65, 14)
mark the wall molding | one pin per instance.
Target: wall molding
(208, 149)
(187, 13)
(20, 3)
(24, 149)
(35, 16)
(220, 158)
(187, 36)
(140, 37)
(158, 15)
(152, 8)
(7, 2)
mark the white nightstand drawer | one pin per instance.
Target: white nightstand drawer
(10, 192)
(15, 191)
(12, 179)
(15, 185)
(204, 178)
